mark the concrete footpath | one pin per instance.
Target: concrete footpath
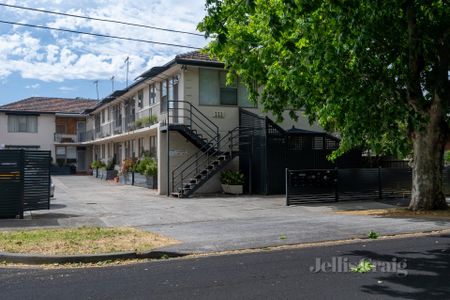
(209, 224)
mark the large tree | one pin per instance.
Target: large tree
(375, 71)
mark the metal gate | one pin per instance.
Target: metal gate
(24, 181)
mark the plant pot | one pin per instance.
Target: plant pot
(110, 174)
(149, 182)
(125, 178)
(233, 189)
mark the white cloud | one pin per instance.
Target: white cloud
(67, 88)
(33, 86)
(56, 56)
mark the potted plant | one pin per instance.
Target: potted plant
(96, 165)
(232, 182)
(107, 170)
(146, 172)
(125, 171)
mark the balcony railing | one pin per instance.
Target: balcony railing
(71, 138)
(141, 119)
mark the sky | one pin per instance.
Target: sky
(47, 63)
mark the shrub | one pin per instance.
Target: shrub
(147, 166)
(97, 164)
(127, 166)
(232, 177)
(146, 121)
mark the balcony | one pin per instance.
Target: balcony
(70, 138)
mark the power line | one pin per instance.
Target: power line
(100, 35)
(100, 19)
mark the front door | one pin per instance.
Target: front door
(81, 160)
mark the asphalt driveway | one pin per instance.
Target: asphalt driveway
(209, 223)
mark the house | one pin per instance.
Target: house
(55, 124)
(184, 115)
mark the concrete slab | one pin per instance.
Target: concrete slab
(210, 223)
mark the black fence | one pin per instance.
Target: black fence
(24, 182)
(328, 185)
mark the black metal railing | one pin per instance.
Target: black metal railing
(184, 113)
(227, 146)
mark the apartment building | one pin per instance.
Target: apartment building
(55, 124)
(185, 115)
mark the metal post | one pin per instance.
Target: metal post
(336, 186)
(22, 181)
(168, 162)
(287, 185)
(380, 187)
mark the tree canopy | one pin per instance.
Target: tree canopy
(347, 63)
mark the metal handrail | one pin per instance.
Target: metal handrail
(193, 112)
(202, 159)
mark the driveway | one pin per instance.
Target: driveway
(210, 223)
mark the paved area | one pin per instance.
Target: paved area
(210, 223)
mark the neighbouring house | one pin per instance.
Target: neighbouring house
(185, 115)
(55, 124)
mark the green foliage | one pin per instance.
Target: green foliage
(364, 266)
(97, 164)
(373, 235)
(110, 164)
(232, 177)
(447, 157)
(346, 63)
(147, 166)
(146, 121)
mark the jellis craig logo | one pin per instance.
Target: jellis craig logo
(341, 264)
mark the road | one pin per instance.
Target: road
(281, 274)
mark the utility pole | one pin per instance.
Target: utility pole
(127, 61)
(112, 82)
(96, 87)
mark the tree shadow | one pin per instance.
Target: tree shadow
(428, 274)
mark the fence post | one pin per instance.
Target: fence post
(287, 186)
(336, 185)
(22, 181)
(132, 177)
(380, 187)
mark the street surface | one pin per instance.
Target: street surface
(283, 274)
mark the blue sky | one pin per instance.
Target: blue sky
(36, 62)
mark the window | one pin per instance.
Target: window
(140, 147)
(152, 94)
(103, 116)
(215, 91)
(103, 151)
(97, 122)
(228, 93)
(164, 99)
(153, 145)
(140, 99)
(19, 123)
(117, 112)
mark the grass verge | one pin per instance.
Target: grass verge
(83, 240)
(399, 212)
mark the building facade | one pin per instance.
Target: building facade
(54, 124)
(183, 114)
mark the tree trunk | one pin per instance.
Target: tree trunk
(429, 143)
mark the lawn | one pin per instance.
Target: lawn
(83, 240)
